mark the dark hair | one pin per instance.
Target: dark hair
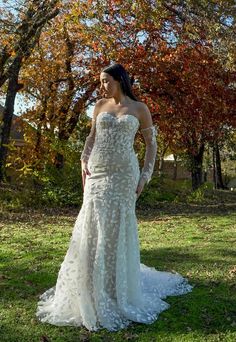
(118, 72)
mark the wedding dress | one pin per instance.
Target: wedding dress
(101, 282)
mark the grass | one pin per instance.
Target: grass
(198, 241)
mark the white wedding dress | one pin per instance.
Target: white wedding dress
(101, 282)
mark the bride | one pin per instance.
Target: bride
(101, 282)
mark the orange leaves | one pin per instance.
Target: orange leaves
(181, 82)
(191, 95)
(95, 46)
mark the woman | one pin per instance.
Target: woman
(101, 283)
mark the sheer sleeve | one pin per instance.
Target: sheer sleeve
(89, 142)
(149, 135)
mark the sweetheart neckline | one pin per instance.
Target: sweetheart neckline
(118, 117)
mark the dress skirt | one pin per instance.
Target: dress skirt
(101, 282)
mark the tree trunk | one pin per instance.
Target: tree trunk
(196, 170)
(12, 89)
(27, 33)
(160, 165)
(59, 161)
(161, 160)
(67, 125)
(42, 118)
(175, 167)
(218, 180)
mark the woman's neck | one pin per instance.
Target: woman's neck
(120, 100)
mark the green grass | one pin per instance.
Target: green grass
(196, 241)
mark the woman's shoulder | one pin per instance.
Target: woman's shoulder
(143, 114)
(141, 109)
(100, 102)
(98, 105)
(141, 106)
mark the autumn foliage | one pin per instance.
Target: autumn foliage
(172, 53)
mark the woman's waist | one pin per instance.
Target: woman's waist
(113, 148)
(113, 151)
(99, 156)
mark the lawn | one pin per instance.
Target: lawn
(196, 241)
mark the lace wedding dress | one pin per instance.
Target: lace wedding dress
(101, 282)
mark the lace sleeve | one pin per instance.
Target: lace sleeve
(89, 142)
(149, 135)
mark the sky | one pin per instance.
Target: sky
(20, 106)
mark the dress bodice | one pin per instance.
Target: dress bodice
(115, 135)
(111, 141)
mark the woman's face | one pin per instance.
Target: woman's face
(109, 86)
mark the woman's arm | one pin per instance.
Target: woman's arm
(89, 142)
(149, 132)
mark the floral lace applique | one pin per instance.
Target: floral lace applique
(149, 135)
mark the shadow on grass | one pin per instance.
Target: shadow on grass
(45, 215)
(187, 210)
(157, 209)
(181, 257)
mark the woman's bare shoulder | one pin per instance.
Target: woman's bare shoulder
(100, 102)
(144, 115)
(141, 107)
(98, 106)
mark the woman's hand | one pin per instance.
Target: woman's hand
(141, 183)
(85, 172)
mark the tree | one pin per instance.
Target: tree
(191, 91)
(62, 83)
(189, 83)
(170, 49)
(29, 25)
